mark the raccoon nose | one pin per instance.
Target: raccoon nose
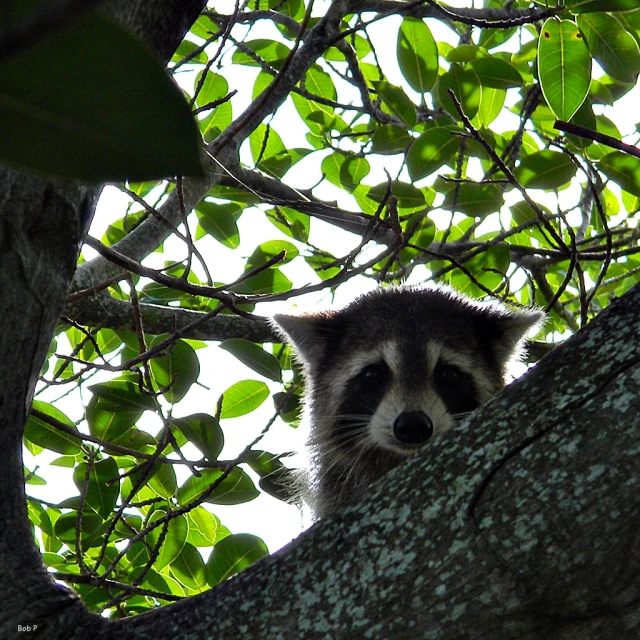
(413, 427)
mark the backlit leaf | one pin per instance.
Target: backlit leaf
(564, 67)
(234, 553)
(64, 111)
(254, 357)
(545, 170)
(623, 169)
(614, 48)
(465, 85)
(474, 199)
(235, 488)
(430, 151)
(176, 371)
(243, 397)
(417, 53)
(46, 436)
(204, 432)
(104, 485)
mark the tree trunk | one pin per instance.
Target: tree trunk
(42, 223)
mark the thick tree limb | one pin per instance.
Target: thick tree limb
(519, 524)
(106, 311)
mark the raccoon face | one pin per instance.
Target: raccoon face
(391, 371)
(399, 405)
(397, 397)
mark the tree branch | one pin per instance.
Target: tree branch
(106, 311)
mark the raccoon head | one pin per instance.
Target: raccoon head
(392, 370)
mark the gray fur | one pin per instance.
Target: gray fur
(376, 368)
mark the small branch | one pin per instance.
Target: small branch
(596, 136)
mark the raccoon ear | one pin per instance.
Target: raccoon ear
(305, 333)
(509, 329)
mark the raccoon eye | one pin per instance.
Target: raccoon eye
(374, 375)
(448, 374)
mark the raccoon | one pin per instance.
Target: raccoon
(390, 371)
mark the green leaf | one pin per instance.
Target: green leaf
(490, 266)
(243, 397)
(205, 529)
(465, 85)
(564, 67)
(390, 139)
(269, 152)
(115, 407)
(545, 170)
(188, 568)
(233, 554)
(496, 73)
(44, 435)
(417, 53)
(491, 105)
(92, 527)
(203, 431)
(430, 151)
(491, 37)
(292, 223)
(123, 395)
(275, 478)
(585, 117)
(522, 212)
(254, 357)
(220, 221)
(319, 117)
(464, 53)
(163, 481)
(104, 485)
(622, 169)
(409, 197)
(267, 250)
(319, 83)
(614, 48)
(473, 199)
(65, 111)
(177, 371)
(173, 542)
(236, 488)
(397, 101)
(272, 52)
(215, 87)
(587, 6)
(345, 171)
(270, 280)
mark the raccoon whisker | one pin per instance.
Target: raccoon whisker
(335, 443)
(351, 417)
(349, 476)
(459, 417)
